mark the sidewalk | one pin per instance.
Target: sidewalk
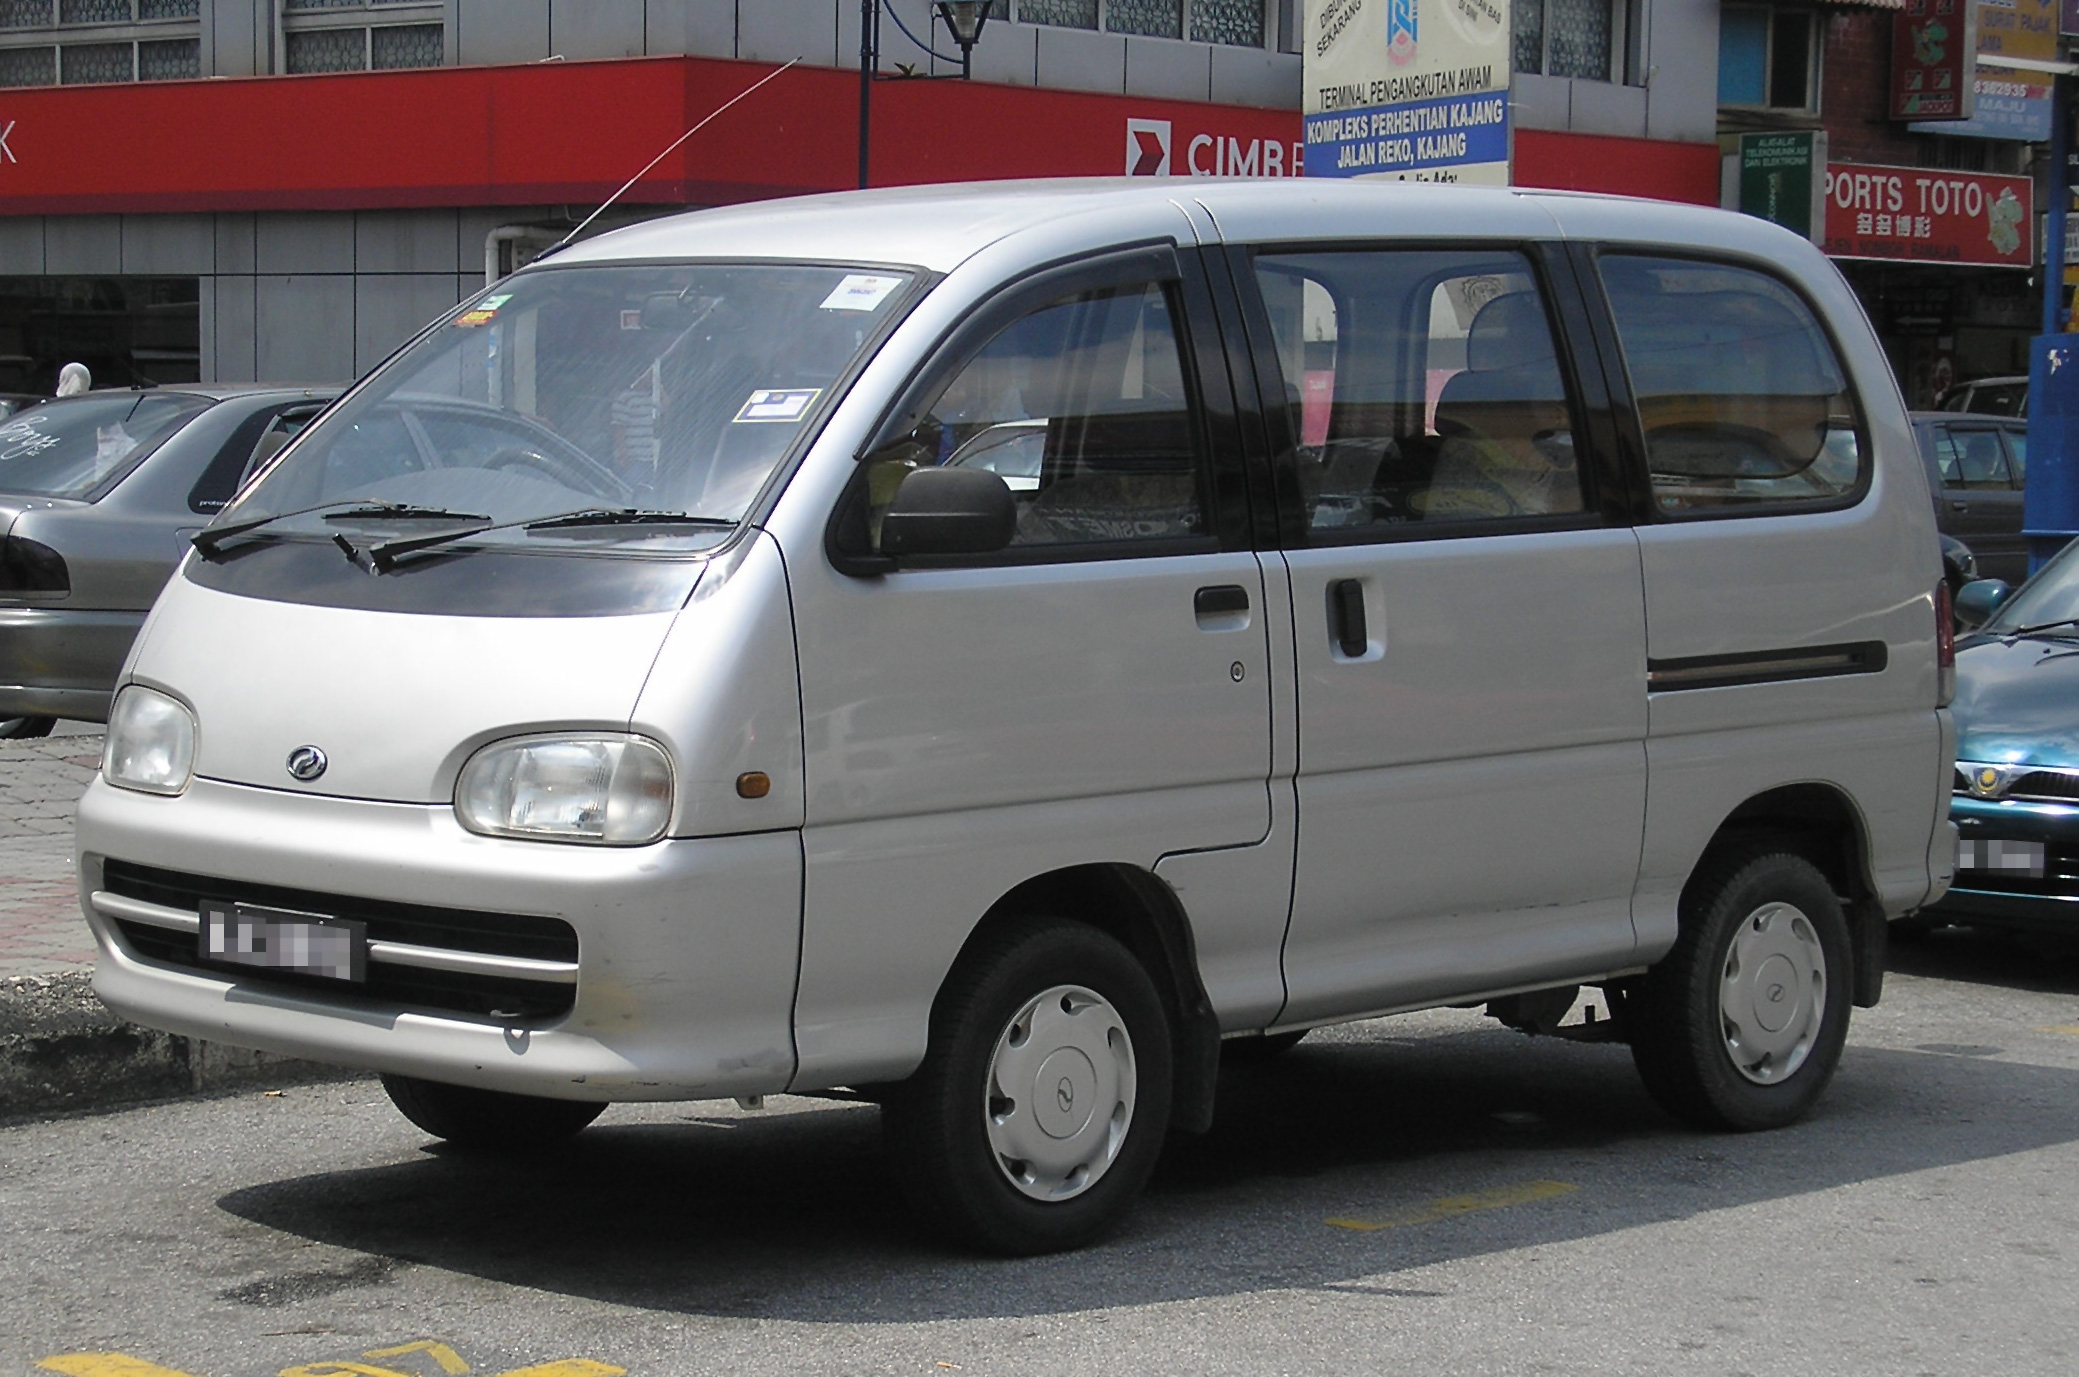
(41, 930)
(60, 1049)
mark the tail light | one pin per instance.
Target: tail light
(28, 566)
(1945, 646)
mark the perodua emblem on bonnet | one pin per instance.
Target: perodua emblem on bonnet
(307, 763)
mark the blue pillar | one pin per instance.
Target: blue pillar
(2050, 506)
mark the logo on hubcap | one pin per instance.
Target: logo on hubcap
(1776, 993)
(307, 763)
(1065, 1095)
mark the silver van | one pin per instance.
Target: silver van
(983, 649)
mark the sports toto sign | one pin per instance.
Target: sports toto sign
(1928, 215)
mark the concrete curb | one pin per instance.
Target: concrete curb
(62, 1050)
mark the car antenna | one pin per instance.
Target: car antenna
(675, 144)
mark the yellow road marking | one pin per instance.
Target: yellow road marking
(2068, 1029)
(123, 1365)
(450, 1361)
(105, 1365)
(1451, 1206)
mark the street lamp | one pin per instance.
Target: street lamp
(963, 19)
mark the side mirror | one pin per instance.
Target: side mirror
(1977, 602)
(949, 512)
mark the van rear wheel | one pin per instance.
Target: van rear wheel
(1044, 1097)
(1741, 1025)
(488, 1121)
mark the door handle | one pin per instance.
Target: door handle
(1221, 607)
(1955, 506)
(1346, 617)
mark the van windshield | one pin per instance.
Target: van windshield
(629, 390)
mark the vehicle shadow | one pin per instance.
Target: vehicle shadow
(2043, 964)
(793, 1215)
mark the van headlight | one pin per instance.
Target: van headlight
(606, 790)
(151, 742)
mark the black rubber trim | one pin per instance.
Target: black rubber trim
(1766, 666)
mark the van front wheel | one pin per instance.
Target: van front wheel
(1044, 1097)
(488, 1121)
(1741, 1025)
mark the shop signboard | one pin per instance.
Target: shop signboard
(2009, 103)
(1783, 179)
(2068, 19)
(1929, 215)
(1407, 90)
(1933, 60)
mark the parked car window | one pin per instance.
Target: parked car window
(1948, 460)
(1980, 462)
(1083, 410)
(2017, 455)
(69, 447)
(1423, 389)
(1741, 398)
(234, 462)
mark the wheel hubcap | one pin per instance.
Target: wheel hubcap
(1061, 1091)
(1772, 997)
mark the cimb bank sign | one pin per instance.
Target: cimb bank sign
(1151, 152)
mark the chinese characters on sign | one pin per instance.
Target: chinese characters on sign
(1408, 89)
(1934, 53)
(1928, 215)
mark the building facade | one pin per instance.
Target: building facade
(289, 189)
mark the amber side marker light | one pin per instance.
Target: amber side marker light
(755, 784)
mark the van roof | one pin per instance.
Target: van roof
(939, 226)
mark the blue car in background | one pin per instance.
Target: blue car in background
(2016, 800)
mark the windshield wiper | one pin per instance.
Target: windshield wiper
(2069, 625)
(626, 516)
(210, 538)
(384, 556)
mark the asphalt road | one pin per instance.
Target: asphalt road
(1424, 1195)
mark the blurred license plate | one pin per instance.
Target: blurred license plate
(283, 940)
(2007, 857)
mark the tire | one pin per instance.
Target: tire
(1044, 1096)
(1741, 1025)
(492, 1122)
(1257, 1050)
(24, 728)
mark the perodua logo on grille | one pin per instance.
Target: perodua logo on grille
(307, 763)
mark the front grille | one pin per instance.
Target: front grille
(2045, 786)
(513, 999)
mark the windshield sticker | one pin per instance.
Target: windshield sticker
(861, 292)
(785, 405)
(476, 317)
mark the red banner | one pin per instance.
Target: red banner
(570, 132)
(1927, 215)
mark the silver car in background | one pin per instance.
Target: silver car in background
(98, 496)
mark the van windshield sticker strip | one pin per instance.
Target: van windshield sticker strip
(1766, 666)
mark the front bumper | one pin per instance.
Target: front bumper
(2008, 898)
(686, 951)
(62, 661)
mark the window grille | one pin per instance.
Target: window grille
(1236, 23)
(178, 59)
(28, 66)
(1153, 18)
(25, 14)
(81, 64)
(406, 45)
(94, 12)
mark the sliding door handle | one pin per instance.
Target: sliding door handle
(1346, 617)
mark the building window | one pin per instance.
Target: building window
(1768, 58)
(361, 35)
(28, 66)
(1590, 40)
(99, 41)
(1235, 23)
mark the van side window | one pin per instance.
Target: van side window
(1081, 407)
(1424, 389)
(1741, 398)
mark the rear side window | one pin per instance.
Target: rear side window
(1742, 399)
(1978, 459)
(1081, 407)
(1424, 391)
